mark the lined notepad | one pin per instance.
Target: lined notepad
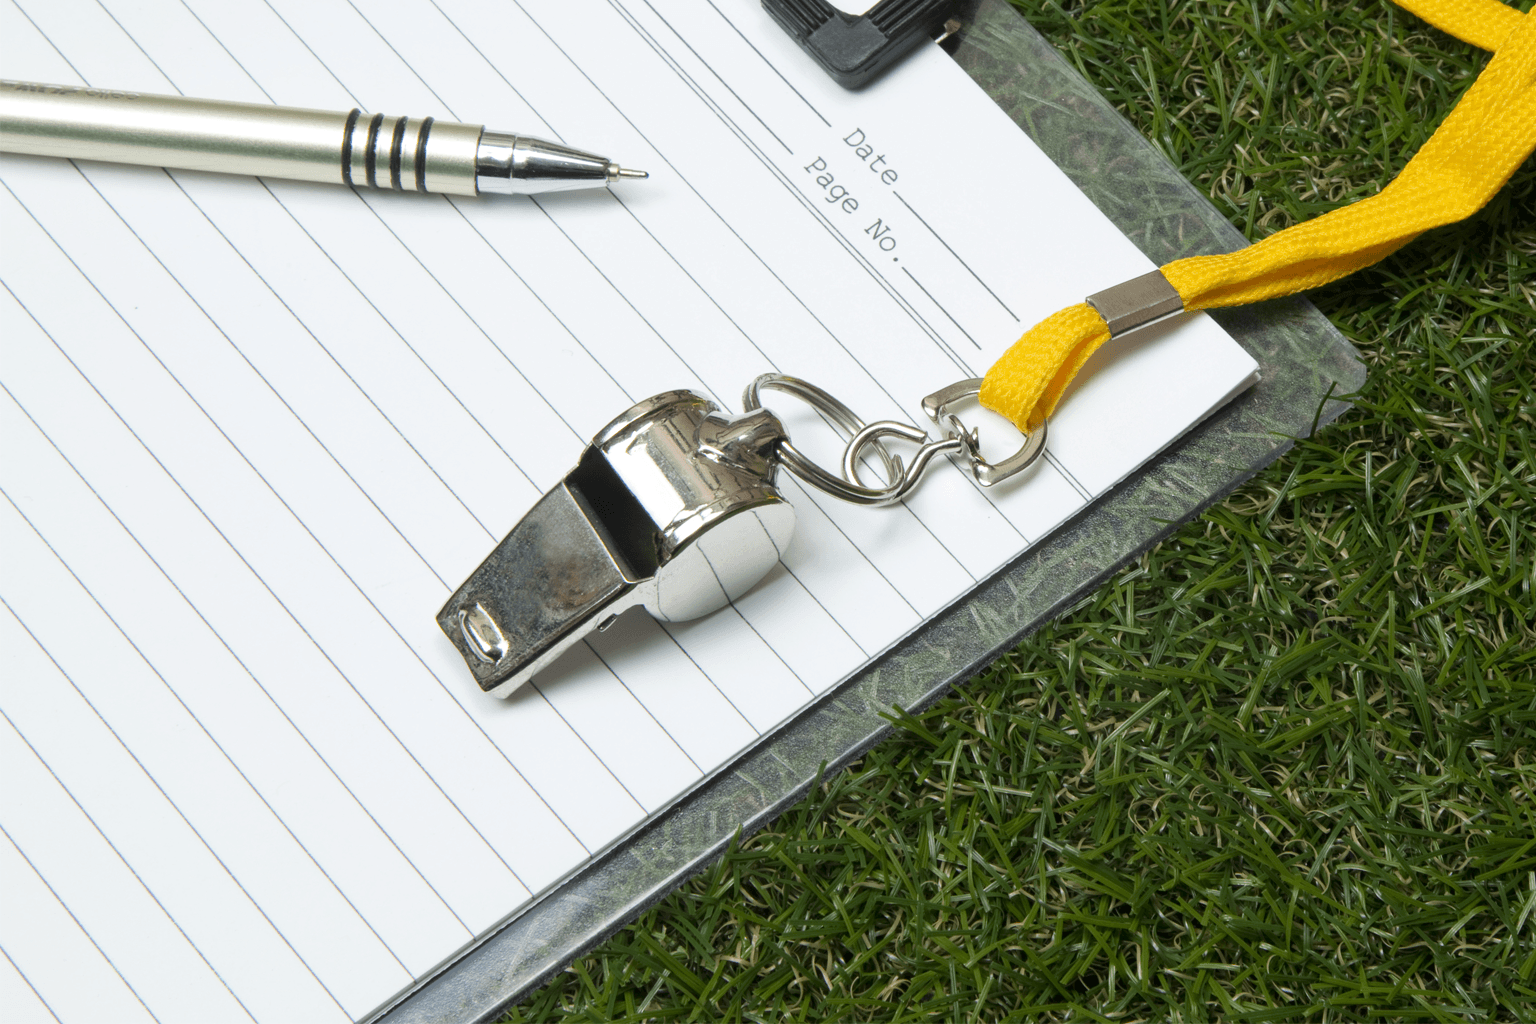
(256, 431)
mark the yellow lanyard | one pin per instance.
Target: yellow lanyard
(1479, 145)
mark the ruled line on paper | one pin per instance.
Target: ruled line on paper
(98, 997)
(179, 812)
(538, 298)
(783, 180)
(948, 315)
(242, 557)
(203, 728)
(306, 528)
(245, 669)
(498, 442)
(769, 63)
(300, 419)
(901, 300)
(684, 178)
(748, 107)
(969, 269)
(18, 777)
(321, 345)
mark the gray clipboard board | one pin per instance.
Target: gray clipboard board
(1306, 364)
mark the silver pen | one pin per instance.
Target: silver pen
(344, 148)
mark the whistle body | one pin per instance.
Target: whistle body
(672, 507)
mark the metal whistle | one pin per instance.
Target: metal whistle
(671, 507)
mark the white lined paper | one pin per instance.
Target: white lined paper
(257, 430)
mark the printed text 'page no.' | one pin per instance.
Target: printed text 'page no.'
(256, 431)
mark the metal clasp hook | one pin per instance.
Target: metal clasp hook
(901, 482)
(936, 408)
(956, 439)
(902, 479)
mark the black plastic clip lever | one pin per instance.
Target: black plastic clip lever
(853, 49)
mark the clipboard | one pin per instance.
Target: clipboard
(1306, 365)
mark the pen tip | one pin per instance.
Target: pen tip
(615, 172)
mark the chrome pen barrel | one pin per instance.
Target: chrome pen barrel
(347, 148)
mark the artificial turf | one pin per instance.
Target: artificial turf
(1282, 768)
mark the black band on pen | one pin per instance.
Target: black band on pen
(421, 154)
(394, 155)
(346, 146)
(371, 157)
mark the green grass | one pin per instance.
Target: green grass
(1285, 766)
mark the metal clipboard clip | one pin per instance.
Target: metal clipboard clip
(854, 49)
